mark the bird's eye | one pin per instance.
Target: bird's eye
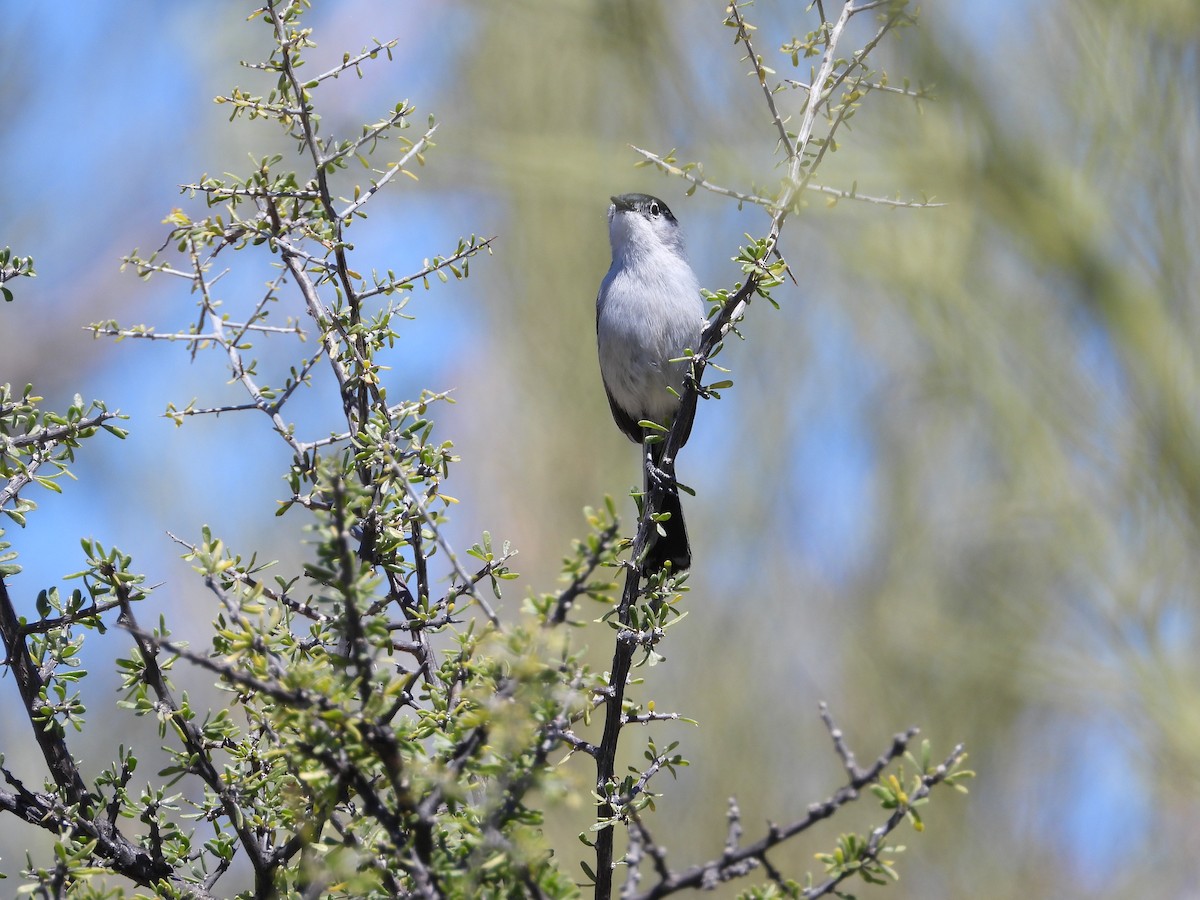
(654, 210)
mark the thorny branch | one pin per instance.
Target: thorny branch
(736, 861)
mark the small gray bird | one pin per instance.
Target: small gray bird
(648, 312)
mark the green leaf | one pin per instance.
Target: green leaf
(587, 870)
(48, 483)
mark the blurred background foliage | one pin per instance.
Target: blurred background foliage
(956, 484)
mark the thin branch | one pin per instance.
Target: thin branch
(47, 437)
(373, 134)
(468, 251)
(189, 337)
(236, 365)
(844, 109)
(326, 325)
(734, 860)
(253, 584)
(839, 743)
(296, 699)
(352, 62)
(760, 72)
(872, 85)
(226, 192)
(463, 577)
(458, 590)
(816, 96)
(614, 700)
(145, 268)
(45, 626)
(854, 194)
(260, 313)
(392, 171)
(646, 717)
(354, 402)
(700, 181)
(21, 479)
(194, 741)
(210, 410)
(768, 204)
(567, 596)
(875, 841)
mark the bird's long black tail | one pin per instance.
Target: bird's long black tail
(672, 544)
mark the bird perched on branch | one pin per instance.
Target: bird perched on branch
(648, 313)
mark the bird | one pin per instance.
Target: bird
(649, 311)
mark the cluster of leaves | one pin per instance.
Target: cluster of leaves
(384, 730)
(12, 267)
(861, 855)
(36, 446)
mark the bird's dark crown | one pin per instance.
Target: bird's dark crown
(645, 204)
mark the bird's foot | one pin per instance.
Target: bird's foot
(661, 476)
